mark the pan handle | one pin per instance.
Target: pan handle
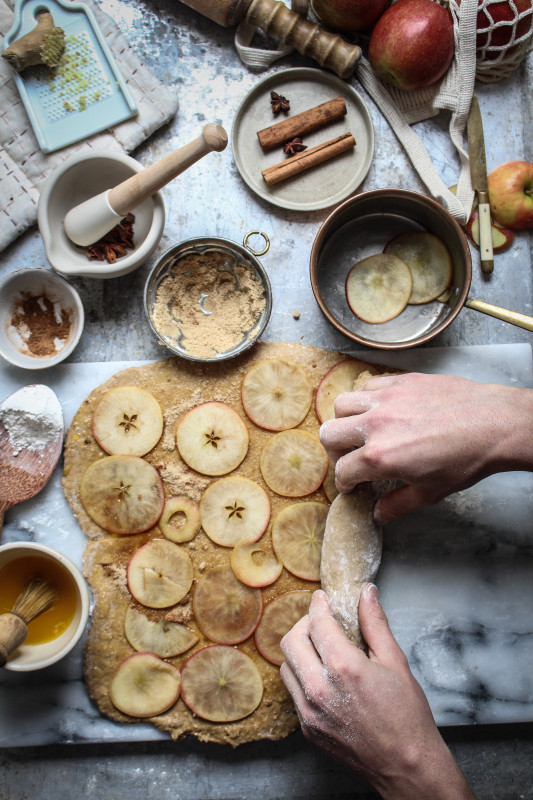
(521, 320)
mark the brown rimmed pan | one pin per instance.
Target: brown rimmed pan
(361, 227)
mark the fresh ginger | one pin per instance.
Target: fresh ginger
(45, 44)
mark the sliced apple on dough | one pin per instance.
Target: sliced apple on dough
(226, 611)
(336, 381)
(164, 639)
(122, 494)
(180, 520)
(159, 574)
(127, 420)
(144, 685)
(212, 438)
(276, 394)
(279, 616)
(429, 261)
(233, 510)
(378, 288)
(502, 238)
(221, 684)
(254, 565)
(297, 535)
(293, 463)
(329, 483)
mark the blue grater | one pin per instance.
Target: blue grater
(86, 93)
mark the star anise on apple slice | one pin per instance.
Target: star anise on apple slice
(294, 146)
(279, 103)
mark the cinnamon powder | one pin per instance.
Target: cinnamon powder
(40, 324)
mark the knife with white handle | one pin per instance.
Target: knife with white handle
(478, 173)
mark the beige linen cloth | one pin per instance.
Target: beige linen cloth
(24, 168)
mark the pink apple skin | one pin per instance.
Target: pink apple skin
(349, 15)
(412, 44)
(511, 195)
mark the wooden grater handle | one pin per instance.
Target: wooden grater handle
(13, 631)
(329, 49)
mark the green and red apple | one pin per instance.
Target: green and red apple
(511, 195)
(349, 15)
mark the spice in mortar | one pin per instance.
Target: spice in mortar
(209, 303)
(40, 325)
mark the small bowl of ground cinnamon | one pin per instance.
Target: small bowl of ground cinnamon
(41, 318)
(208, 299)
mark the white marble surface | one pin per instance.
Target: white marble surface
(456, 579)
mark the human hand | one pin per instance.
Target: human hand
(368, 712)
(437, 434)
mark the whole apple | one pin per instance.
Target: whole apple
(511, 195)
(349, 15)
(412, 44)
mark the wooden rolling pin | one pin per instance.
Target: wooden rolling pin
(275, 19)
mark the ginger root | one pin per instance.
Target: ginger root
(45, 44)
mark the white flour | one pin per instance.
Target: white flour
(32, 418)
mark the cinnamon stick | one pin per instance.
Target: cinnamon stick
(305, 122)
(310, 158)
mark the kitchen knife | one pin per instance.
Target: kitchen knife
(478, 173)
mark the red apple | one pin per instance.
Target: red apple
(503, 15)
(511, 195)
(412, 44)
(349, 15)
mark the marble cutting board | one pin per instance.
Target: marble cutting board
(456, 578)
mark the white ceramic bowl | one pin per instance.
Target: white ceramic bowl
(83, 176)
(29, 657)
(37, 281)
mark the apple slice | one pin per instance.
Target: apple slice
(122, 494)
(378, 287)
(276, 394)
(293, 463)
(297, 535)
(254, 565)
(221, 684)
(164, 639)
(280, 615)
(429, 260)
(226, 611)
(337, 380)
(159, 574)
(212, 438)
(144, 685)
(502, 238)
(127, 420)
(180, 520)
(329, 483)
(234, 510)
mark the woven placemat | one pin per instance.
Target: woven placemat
(24, 167)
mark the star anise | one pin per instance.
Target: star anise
(115, 243)
(294, 146)
(279, 103)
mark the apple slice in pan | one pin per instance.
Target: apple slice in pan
(221, 684)
(336, 381)
(429, 261)
(254, 565)
(279, 616)
(293, 463)
(226, 611)
(234, 510)
(297, 535)
(144, 685)
(164, 639)
(276, 394)
(212, 438)
(127, 420)
(328, 483)
(378, 287)
(180, 520)
(159, 574)
(122, 494)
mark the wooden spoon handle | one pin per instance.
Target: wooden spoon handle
(329, 49)
(134, 190)
(13, 631)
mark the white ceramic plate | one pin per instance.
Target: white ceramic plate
(327, 183)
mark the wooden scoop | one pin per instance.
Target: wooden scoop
(86, 223)
(31, 438)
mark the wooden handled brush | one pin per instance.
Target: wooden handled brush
(37, 597)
